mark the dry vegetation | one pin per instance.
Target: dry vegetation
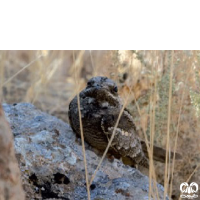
(162, 89)
(10, 180)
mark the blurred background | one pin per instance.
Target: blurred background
(50, 79)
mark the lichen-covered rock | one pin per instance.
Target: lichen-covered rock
(51, 161)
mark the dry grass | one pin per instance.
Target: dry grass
(167, 162)
(76, 64)
(164, 102)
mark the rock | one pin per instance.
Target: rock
(51, 161)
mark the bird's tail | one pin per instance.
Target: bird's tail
(159, 154)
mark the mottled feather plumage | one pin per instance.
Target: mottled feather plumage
(100, 106)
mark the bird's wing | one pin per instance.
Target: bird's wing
(125, 142)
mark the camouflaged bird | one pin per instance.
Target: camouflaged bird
(100, 106)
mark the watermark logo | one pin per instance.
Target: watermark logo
(188, 191)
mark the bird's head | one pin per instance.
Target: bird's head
(100, 82)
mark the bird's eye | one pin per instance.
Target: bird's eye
(115, 89)
(89, 83)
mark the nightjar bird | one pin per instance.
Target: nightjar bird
(100, 106)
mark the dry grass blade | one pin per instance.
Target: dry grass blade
(111, 139)
(152, 131)
(149, 154)
(81, 127)
(2, 70)
(176, 138)
(44, 80)
(94, 68)
(166, 180)
(22, 70)
(191, 175)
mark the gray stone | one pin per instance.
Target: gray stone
(51, 161)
